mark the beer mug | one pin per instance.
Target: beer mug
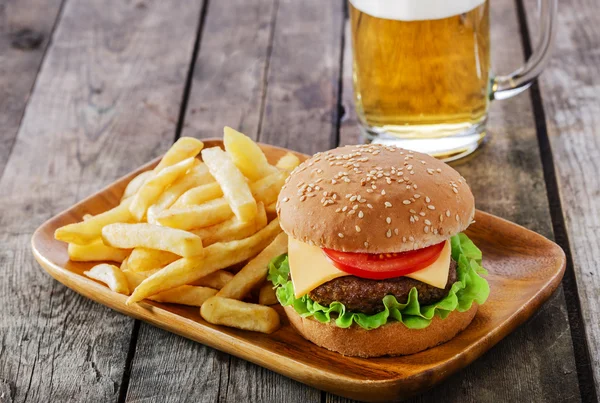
(421, 73)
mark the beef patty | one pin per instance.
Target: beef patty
(365, 295)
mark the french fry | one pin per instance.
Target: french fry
(216, 280)
(217, 256)
(271, 210)
(232, 229)
(267, 295)
(144, 259)
(255, 271)
(199, 195)
(267, 189)
(241, 315)
(135, 184)
(288, 162)
(111, 276)
(129, 236)
(235, 188)
(196, 216)
(185, 295)
(184, 148)
(124, 266)
(197, 176)
(246, 155)
(88, 231)
(96, 251)
(150, 191)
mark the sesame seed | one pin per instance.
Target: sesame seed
(427, 199)
(357, 228)
(351, 212)
(340, 235)
(369, 190)
(337, 210)
(405, 202)
(302, 198)
(355, 207)
(366, 244)
(412, 211)
(353, 198)
(369, 205)
(435, 231)
(333, 181)
(388, 204)
(361, 214)
(403, 239)
(447, 213)
(412, 219)
(286, 199)
(411, 238)
(396, 231)
(383, 192)
(455, 190)
(426, 229)
(422, 214)
(457, 217)
(388, 220)
(441, 217)
(416, 196)
(344, 208)
(427, 222)
(431, 207)
(388, 233)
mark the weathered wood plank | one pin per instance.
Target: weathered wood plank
(242, 54)
(507, 180)
(301, 110)
(570, 95)
(92, 117)
(25, 29)
(228, 80)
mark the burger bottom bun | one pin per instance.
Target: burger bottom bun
(390, 339)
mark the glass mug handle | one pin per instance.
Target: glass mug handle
(504, 87)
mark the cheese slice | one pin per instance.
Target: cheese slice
(310, 268)
(436, 274)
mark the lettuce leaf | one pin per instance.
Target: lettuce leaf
(469, 287)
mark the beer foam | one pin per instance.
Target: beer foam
(415, 10)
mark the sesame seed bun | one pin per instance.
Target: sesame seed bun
(390, 339)
(374, 199)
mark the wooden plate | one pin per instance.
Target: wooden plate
(524, 269)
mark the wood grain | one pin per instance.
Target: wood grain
(525, 268)
(228, 81)
(25, 30)
(570, 98)
(92, 117)
(301, 104)
(507, 179)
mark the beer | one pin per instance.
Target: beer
(422, 71)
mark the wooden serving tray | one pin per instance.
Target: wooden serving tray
(524, 269)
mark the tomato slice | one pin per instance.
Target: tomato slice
(384, 265)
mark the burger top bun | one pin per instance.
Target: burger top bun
(374, 199)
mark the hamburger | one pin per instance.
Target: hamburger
(377, 260)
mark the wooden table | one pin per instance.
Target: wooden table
(91, 89)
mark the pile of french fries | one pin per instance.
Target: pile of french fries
(180, 227)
